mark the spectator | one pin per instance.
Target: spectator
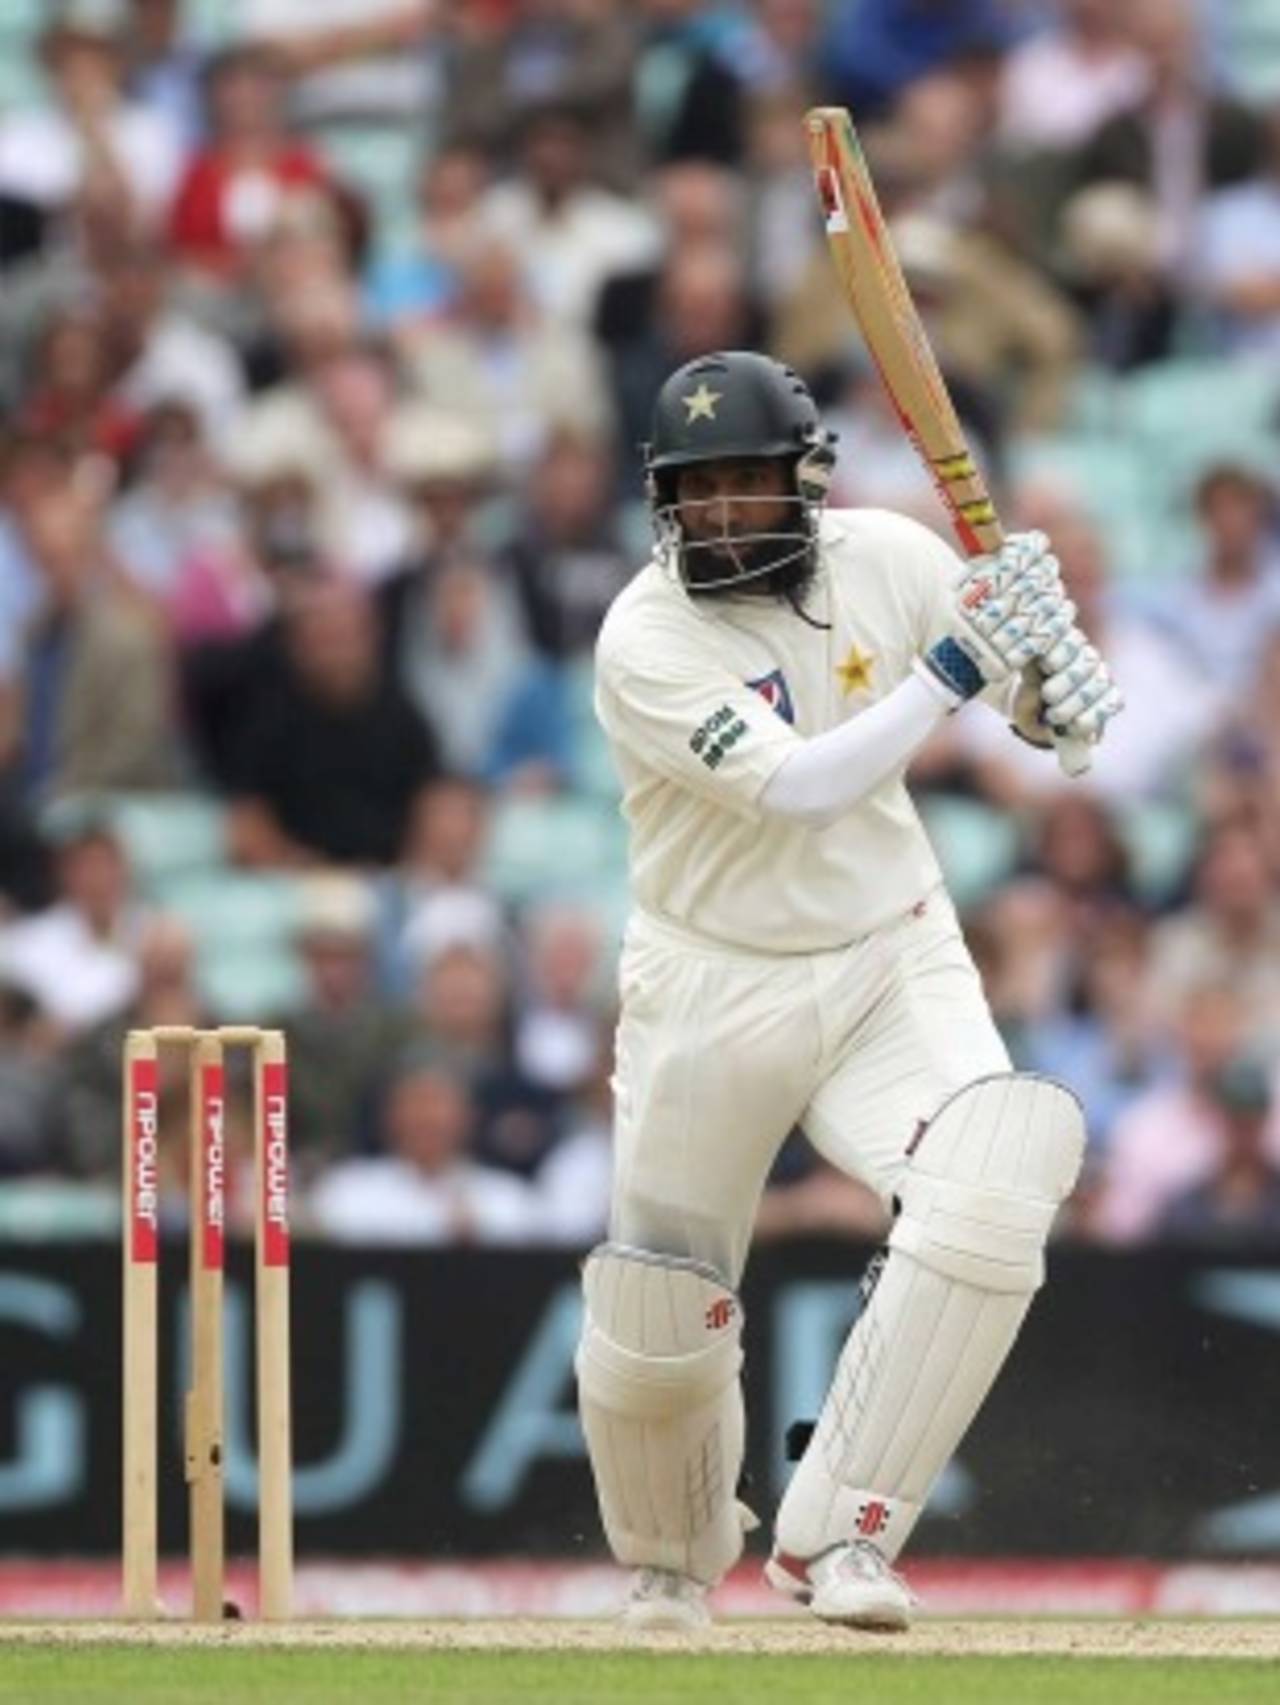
(90, 136)
(877, 48)
(176, 531)
(558, 1014)
(162, 353)
(1178, 140)
(33, 469)
(1000, 327)
(1241, 770)
(1167, 1139)
(503, 63)
(28, 1087)
(1226, 614)
(166, 993)
(778, 50)
(570, 232)
(349, 60)
(445, 471)
(93, 683)
(1236, 1201)
(440, 899)
(345, 1038)
(1112, 263)
(419, 280)
(165, 66)
(425, 1188)
(332, 419)
(703, 303)
(237, 182)
(1064, 82)
(454, 637)
(565, 556)
(1103, 1039)
(505, 366)
(1078, 847)
(463, 1001)
(686, 99)
(1230, 933)
(69, 388)
(1239, 254)
(453, 628)
(328, 759)
(78, 959)
(575, 1180)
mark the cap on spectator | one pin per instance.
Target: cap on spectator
(333, 906)
(1110, 230)
(426, 446)
(455, 917)
(1242, 1085)
(271, 446)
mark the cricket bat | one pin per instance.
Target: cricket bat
(895, 338)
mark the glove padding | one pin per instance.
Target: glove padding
(1010, 608)
(1069, 692)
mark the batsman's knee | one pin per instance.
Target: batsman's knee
(986, 1178)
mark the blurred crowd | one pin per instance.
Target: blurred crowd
(328, 333)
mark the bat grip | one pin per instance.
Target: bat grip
(1075, 758)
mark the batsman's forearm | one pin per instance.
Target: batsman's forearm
(826, 776)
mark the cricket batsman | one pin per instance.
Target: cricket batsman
(792, 958)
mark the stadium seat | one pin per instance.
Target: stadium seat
(1160, 837)
(244, 925)
(169, 834)
(542, 848)
(976, 845)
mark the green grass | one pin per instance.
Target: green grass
(52, 1675)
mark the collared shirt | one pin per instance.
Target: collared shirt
(703, 698)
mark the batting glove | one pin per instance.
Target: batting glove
(1010, 609)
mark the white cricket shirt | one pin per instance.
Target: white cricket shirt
(703, 698)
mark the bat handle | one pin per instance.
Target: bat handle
(1075, 757)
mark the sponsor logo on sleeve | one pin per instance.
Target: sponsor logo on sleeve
(717, 736)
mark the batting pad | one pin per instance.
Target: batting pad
(662, 1410)
(966, 1255)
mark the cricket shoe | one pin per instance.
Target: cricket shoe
(851, 1583)
(659, 1598)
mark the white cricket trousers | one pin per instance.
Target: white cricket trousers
(720, 1053)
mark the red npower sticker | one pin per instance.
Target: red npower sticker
(144, 1158)
(212, 1167)
(275, 1165)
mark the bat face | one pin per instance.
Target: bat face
(892, 329)
(895, 338)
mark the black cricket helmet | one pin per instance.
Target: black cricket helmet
(731, 405)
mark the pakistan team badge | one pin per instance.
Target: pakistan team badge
(701, 404)
(773, 689)
(854, 674)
